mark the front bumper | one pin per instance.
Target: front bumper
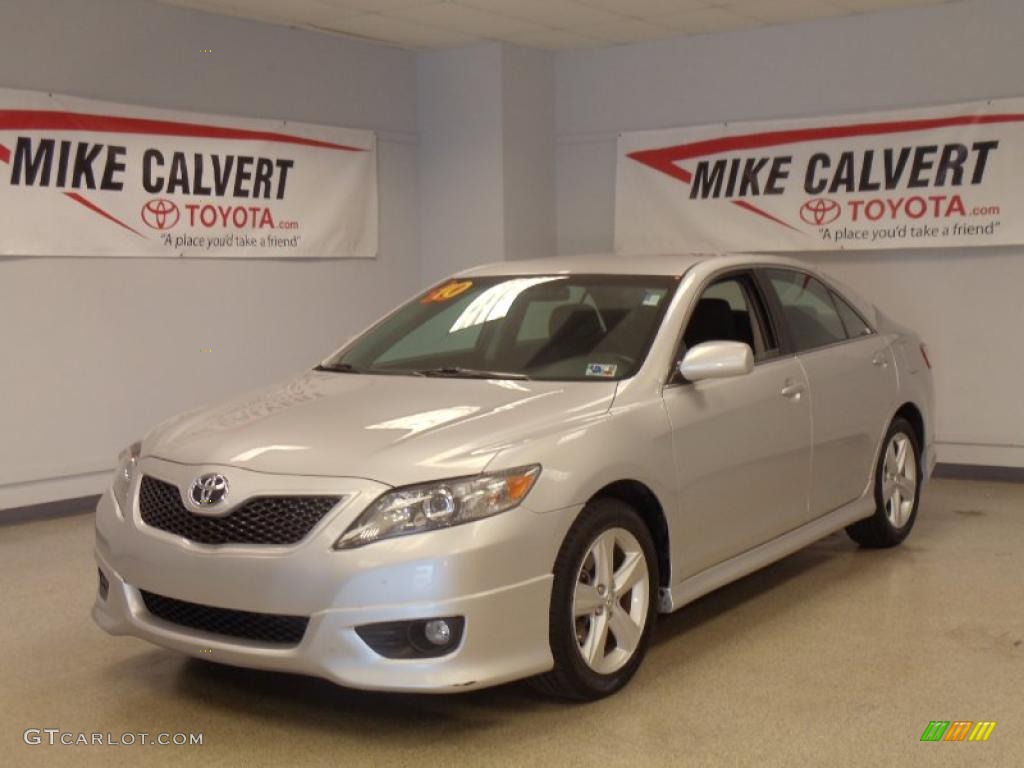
(496, 573)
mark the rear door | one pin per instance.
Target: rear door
(852, 377)
(742, 445)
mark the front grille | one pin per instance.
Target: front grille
(260, 520)
(263, 627)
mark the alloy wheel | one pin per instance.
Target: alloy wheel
(899, 480)
(611, 600)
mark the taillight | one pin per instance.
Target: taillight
(924, 354)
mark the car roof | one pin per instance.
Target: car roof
(675, 264)
(617, 264)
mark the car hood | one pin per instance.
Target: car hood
(392, 429)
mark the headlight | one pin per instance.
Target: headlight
(442, 504)
(127, 462)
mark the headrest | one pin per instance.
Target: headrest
(573, 319)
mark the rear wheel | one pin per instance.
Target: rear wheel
(602, 602)
(897, 490)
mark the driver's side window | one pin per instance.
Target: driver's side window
(730, 310)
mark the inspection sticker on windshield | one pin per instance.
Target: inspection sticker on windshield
(447, 291)
(604, 370)
(652, 298)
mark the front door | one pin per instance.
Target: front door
(742, 445)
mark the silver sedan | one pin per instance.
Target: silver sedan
(513, 473)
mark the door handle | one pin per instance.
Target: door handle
(793, 390)
(880, 360)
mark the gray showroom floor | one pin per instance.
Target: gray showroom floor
(832, 657)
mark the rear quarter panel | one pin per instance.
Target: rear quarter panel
(914, 382)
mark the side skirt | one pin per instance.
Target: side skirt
(710, 579)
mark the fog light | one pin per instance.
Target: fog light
(438, 632)
(415, 639)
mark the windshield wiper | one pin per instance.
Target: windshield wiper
(338, 368)
(470, 373)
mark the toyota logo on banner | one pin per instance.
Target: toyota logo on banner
(160, 213)
(819, 211)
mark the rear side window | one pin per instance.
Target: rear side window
(808, 308)
(852, 321)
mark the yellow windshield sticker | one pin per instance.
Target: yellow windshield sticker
(447, 291)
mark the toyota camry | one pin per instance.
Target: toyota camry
(512, 474)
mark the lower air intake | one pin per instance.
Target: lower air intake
(272, 628)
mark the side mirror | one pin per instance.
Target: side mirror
(717, 360)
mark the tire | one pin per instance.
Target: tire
(894, 515)
(604, 525)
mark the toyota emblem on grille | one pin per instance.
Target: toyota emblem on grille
(208, 490)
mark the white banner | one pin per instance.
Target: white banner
(89, 178)
(948, 176)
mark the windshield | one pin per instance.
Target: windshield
(552, 327)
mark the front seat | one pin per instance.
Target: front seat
(574, 329)
(712, 320)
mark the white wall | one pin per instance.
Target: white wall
(528, 126)
(459, 101)
(94, 351)
(487, 156)
(965, 302)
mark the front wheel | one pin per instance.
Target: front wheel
(897, 490)
(602, 602)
